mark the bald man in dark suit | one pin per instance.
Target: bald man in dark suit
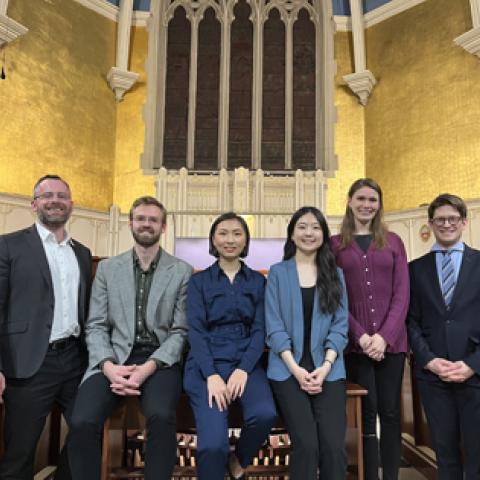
(44, 290)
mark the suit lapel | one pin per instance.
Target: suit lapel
(431, 271)
(161, 279)
(84, 273)
(126, 282)
(463, 276)
(38, 253)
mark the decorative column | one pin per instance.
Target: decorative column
(321, 190)
(119, 77)
(223, 189)
(258, 19)
(299, 189)
(288, 19)
(241, 190)
(113, 222)
(362, 81)
(161, 187)
(9, 28)
(224, 99)
(259, 202)
(192, 91)
(470, 40)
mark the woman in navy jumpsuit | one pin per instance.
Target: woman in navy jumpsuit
(225, 311)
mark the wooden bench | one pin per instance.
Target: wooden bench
(272, 460)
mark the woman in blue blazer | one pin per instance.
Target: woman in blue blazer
(225, 313)
(306, 316)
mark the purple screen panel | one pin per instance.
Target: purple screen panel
(262, 253)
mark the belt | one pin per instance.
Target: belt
(231, 330)
(62, 343)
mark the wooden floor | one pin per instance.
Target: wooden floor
(410, 474)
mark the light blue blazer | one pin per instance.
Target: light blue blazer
(284, 323)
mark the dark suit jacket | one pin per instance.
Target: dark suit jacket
(27, 300)
(434, 330)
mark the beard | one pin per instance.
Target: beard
(146, 237)
(54, 220)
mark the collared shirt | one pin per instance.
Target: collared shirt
(226, 319)
(65, 274)
(143, 283)
(456, 256)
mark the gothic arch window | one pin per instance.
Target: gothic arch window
(235, 83)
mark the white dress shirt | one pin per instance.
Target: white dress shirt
(66, 281)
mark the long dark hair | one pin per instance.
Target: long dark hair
(378, 228)
(328, 280)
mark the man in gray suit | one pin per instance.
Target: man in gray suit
(136, 334)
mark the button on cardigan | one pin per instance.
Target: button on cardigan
(378, 291)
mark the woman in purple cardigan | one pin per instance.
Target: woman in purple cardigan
(376, 273)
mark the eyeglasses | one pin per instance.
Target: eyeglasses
(440, 221)
(51, 195)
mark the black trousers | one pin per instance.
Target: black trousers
(28, 403)
(95, 402)
(453, 416)
(316, 425)
(383, 380)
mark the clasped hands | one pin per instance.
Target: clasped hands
(374, 346)
(312, 382)
(125, 380)
(449, 371)
(225, 393)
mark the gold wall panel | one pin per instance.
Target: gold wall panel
(349, 130)
(57, 112)
(422, 120)
(129, 180)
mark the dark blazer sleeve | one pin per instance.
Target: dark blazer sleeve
(4, 286)
(84, 258)
(418, 343)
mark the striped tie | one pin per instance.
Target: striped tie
(448, 277)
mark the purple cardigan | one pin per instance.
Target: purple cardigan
(378, 291)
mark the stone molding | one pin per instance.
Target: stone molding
(110, 11)
(470, 40)
(10, 30)
(343, 22)
(121, 81)
(362, 81)
(194, 201)
(361, 84)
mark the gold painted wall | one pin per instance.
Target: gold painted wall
(422, 121)
(349, 131)
(57, 111)
(129, 180)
